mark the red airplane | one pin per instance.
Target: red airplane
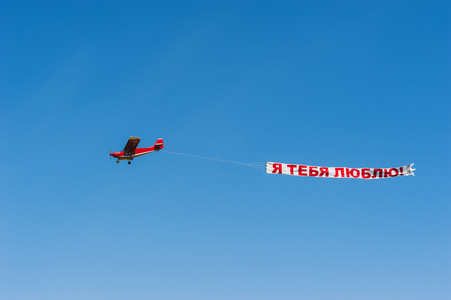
(130, 151)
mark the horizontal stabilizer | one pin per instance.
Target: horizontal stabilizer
(158, 145)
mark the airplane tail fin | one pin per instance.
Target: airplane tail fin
(158, 145)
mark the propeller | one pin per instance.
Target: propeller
(110, 153)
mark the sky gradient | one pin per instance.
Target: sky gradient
(330, 83)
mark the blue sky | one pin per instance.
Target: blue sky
(330, 83)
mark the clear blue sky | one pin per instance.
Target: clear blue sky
(331, 83)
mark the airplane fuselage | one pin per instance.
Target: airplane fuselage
(138, 152)
(130, 151)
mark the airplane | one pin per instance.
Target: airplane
(130, 151)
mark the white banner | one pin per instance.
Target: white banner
(332, 172)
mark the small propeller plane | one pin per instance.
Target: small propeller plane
(130, 151)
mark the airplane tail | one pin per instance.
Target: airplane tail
(158, 145)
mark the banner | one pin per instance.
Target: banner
(332, 172)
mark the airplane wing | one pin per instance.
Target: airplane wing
(132, 143)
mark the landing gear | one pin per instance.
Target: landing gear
(129, 162)
(117, 161)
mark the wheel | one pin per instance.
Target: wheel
(129, 162)
(117, 161)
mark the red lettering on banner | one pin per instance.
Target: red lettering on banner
(302, 170)
(342, 170)
(394, 170)
(349, 172)
(386, 173)
(291, 168)
(366, 173)
(277, 168)
(355, 173)
(375, 171)
(313, 171)
(324, 171)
